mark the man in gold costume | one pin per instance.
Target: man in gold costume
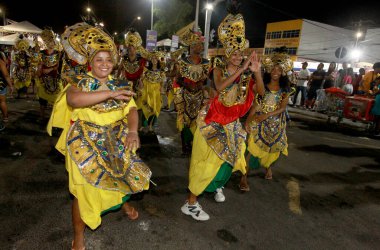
(189, 88)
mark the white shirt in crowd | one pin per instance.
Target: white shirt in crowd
(303, 74)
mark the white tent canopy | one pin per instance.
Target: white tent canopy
(22, 27)
(165, 42)
(9, 40)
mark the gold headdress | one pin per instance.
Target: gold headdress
(156, 54)
(22, 45)
(82, 41)
(48, 36)
(191, 38)
(279, 57)
(231, 33)
(133, 38)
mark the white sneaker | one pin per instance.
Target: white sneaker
(219, 196)
(195, 211)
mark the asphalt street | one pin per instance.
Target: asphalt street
(324, 195)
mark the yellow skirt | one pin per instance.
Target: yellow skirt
(205, 164)
(151, 99)
(20, 84)
(42, 93)
(266, 158)
(92, 201)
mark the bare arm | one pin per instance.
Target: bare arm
(221, 84)
(132, 142)
(7, 78)
(255, 67)
(80, 99)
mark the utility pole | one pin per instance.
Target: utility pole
(196, 17)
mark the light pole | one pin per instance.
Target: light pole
(3, 14)
(138, 18)
(358, 35)
(151, 19)
(209, 8)
(196, 16)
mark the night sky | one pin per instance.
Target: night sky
(119, 14)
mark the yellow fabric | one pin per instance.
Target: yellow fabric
(266, 159)
(170, 97)
(92, 200)
(205, 164)
(151, 96)
(41, 92)
(367, 79)
(19, 84)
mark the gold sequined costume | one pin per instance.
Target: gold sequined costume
(22, 70)
(219, 140)
(49, 83)
(101, 171)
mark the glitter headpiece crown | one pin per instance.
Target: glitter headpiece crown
(191, 38)
(22, 45)
(231, 33)
(82, 41)
(133, 38)
(279, 57)
(48, 36)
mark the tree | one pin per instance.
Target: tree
(172, 15)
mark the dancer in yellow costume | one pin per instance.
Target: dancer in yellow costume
(219, 140)
(22, 71)
(266, 122)
(99, 138)
(49, 83)
(153, 80)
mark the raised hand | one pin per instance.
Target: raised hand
(255, 65)
(247, 62)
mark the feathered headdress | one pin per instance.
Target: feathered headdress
(82, 41)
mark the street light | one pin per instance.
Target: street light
(209, 8)
(88, 13)
(138, 18)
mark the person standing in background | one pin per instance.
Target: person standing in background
(302, 79)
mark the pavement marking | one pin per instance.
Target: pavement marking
(353, 143)
(294, 196)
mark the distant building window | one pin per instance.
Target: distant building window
(268, 35)
(268, 51)
(290, 33)
(276, 35)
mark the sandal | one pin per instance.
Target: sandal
(133, 214)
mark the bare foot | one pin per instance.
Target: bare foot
(268, 174)
(130, 211)
(243, 186)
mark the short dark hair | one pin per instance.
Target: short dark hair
(376, 65)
